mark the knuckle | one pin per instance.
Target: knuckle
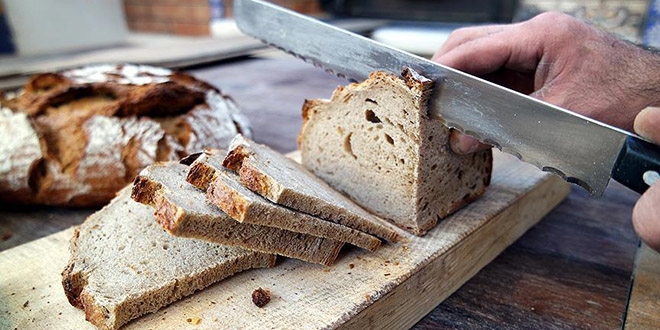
(460, 33)
(554, 20)
(556, 27)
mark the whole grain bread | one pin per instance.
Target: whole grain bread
(284, 181)
(123, 265)
(375, 142)
(83, 134)
(183, 211)
(224, 189)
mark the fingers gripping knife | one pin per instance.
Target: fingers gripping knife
(580, 149)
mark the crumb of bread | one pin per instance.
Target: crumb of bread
(260, 297)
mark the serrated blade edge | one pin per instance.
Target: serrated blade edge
(579, 149)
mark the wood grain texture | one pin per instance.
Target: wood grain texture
(422, 292)
(644, 306)
(570, 271)
(405, 280)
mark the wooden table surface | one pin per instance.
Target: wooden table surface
(571, 271)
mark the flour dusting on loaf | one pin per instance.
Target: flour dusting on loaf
(76, 137)
(16, 133)
(374, 141)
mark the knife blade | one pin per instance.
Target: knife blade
(579, 149)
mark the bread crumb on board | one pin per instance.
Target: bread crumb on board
(260, 297)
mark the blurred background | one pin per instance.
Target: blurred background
(38, 35)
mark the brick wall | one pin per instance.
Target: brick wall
(189, 17)
(302, 6)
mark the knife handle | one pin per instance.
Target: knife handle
(638, 164)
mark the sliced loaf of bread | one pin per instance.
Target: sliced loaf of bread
(123, 265)
(375, 142)
(224, 189)
(183, 211)
(284, 181)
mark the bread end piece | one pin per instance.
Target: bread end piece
(375, 142)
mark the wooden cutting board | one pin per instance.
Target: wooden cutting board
(391, 288)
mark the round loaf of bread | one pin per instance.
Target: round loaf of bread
(76, 137)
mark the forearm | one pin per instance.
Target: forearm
(638, 83)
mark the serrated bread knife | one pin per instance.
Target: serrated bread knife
(580, 149)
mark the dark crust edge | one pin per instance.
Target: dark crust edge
(150, 192)
(73, 283)
(200, 174)
(143, 190)
(235, 157)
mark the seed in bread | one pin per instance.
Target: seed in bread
(375, 142)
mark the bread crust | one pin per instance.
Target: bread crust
(285, 182)
(182, 210)
(121, 267)
(375, 142)
(226, 191)
(88, 132)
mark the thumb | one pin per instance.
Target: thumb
(646, 214)
(647, 124)
(646, 217)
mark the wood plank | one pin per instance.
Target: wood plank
(447, 273)
(570, 271)
(390, 288)
(645, 294)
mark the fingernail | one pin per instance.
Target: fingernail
(647, 123)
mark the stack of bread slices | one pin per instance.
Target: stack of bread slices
(225, 211)
(256, 198)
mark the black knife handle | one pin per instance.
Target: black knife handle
(636, 158)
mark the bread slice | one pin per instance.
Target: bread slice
(283, 181)
(183, 211)
(375, 142)
(223, 188)
(123, 265)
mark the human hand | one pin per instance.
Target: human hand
(563, 61)
(646, 214)
(560, 60)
